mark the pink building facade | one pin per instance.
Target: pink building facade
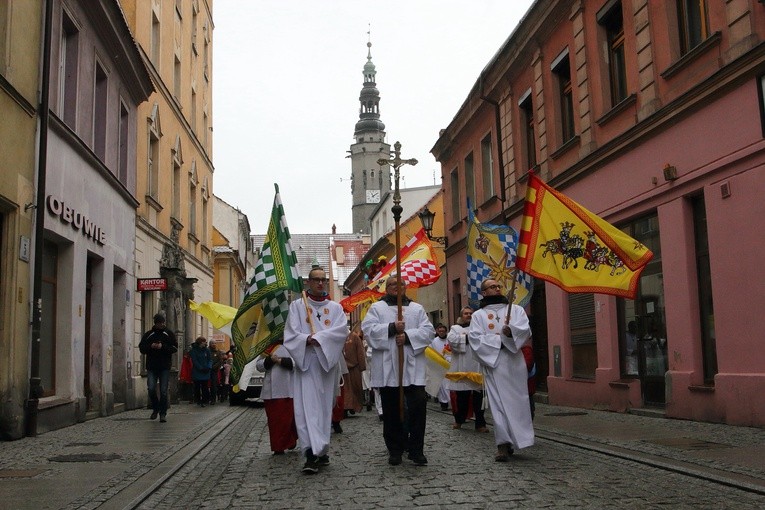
(651, 115)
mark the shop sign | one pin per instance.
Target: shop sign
(76, 219)
(148, 284)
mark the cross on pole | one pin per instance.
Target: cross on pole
(396, 162)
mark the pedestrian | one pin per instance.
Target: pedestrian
(356, 360)
(386, 333)
(466, 388)
(314, 336)
(276, 394)
(442, 347)
(226, 377)
(497, 346)
(159, 345)
(338, 410)
(217, 363)
(200, 373)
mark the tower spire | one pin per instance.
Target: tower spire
(369, 98)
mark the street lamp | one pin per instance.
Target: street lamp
(426, 217)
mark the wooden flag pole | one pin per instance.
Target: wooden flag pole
(396, 163)
(308, 313)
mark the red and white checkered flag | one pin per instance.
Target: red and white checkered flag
(419, 266)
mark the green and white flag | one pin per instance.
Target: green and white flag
(259, 322)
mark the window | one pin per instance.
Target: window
(704, 275)
(204, 128)
(155, 39)
(48, 328)
(124, 126)
(193, 110)
(155, 131)
(692, 23)
(4, 8)
(584, 349)
(487, 168)
(176, 161)
(193, 199)
(454, 184)
(527, 131)
(561, 68)
(456, 297)
(68, 64)
(610, 18)
(470, 180)
(100, 106)
(177, 78)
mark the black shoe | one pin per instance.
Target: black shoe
(203, 404)
(336, 427)
(162, 418)
(394, 459)
(279, 452)
(418, 458)
(444, 407)
(323, 460)
(153, 415)
(311, 466)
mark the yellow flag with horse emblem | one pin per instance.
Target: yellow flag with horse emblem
(567, 245)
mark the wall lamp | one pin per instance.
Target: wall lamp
(670, 172)
(426, 217)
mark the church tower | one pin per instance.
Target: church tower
(369, 182)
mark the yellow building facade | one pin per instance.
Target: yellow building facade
(174, 167)
(19, 81)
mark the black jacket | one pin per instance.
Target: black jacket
(158, 359)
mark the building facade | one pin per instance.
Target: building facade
(97, 81)
(233, 260)
(651, 115)
(20, 47)
(370, 181)
(174, 170)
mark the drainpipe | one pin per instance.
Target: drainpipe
(500, 160)
(35, 384)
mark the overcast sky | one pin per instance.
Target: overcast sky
(286, 83)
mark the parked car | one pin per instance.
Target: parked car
(254, 387)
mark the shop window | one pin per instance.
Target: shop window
(611, 19)
(704, 275)
(646, 316)
(692, 23)
(584, 352)
(487, 168)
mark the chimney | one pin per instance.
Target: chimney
(334, 229)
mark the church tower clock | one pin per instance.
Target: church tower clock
(369, 182)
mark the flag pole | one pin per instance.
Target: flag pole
(308, 313)
(396, 162)
(511, 294)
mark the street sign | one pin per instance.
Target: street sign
(148, 284)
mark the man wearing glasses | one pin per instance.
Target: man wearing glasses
(497, 346)
(314, 336)
(384, 334)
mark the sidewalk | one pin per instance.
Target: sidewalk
(113, 458)
(729, 454)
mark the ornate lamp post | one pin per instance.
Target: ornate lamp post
(426, 218)
(396, 162)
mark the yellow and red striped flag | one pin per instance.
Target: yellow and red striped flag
(419, 265)
(567, 245)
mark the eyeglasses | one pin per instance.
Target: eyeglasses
(317, 280)
(495, 286)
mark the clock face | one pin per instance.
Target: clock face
(373, 196)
